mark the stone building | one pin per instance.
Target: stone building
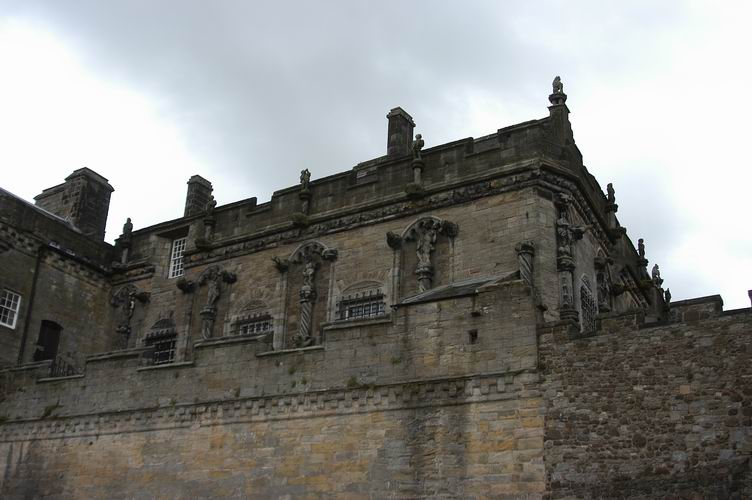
(467, 320)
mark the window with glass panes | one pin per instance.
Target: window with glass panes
(367, 304)
(10, 303)
(176, 258)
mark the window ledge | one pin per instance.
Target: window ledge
(350, 323)
(124, 353)
(165, 366)
(229, 340)
(55, 379)
(291, 351)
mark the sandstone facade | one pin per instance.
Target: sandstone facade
(467, 321)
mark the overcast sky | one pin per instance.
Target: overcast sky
(148, 93)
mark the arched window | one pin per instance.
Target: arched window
(588, 308)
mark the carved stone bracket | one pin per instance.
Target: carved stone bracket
(393, 240)
(282, 265)
(185, 285)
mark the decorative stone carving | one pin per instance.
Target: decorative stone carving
(281, 264)
(558, 86)
(418, 144)
(566, 235)
(641, 248)
(126, 299)
(305, 179)
(393, 240)
(213, 277)
(127, 230)
(525, 251)
(667, 299)
(185, 285)
(310, 257)
(603, 283)
(611, 194)
(425, 233)
(655, 275)
(307, 299)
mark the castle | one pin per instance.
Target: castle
(468, 320)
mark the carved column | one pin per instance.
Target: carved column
(278, 341)
(525, 251)
(565, 235)
(395, 243)
(307, 299)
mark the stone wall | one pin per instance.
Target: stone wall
(650, 411)
(408, 405)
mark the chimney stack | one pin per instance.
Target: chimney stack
(400, 133)
(199, 195)
(83, 199)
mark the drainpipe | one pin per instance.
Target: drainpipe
(25, 335)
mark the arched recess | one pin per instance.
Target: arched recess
(424, 255)
(308, 279)
(588, 306)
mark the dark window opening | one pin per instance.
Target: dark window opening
(48, 341)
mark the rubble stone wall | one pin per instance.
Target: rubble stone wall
(650, 412)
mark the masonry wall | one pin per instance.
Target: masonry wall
(650, 412)
(410, 405)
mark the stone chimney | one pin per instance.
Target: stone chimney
(400, 134)
(199, 195)
(83, 199)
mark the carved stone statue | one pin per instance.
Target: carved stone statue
(655, 275)
(611, 193)
(418, 144)
(210, 207)
(558, 87)
(213, 292)
(667, 297)
(309, 272)
(127, 229)
(305, 179)
(641, 248)
(425, 244)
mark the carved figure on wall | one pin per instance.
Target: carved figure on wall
(213, 277)
(127, 298)
(305, 179)
(564, 233)
(604, 291)
(418, 144)
(655, 275)
(558, 86)
(641, 248)
(667, 298)
(426, 243)
(611, 193)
